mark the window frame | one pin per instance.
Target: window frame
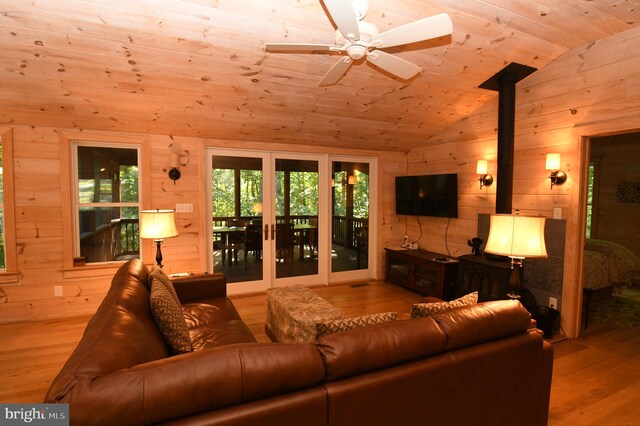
(67, 139)
(77, 205)
(10, 274)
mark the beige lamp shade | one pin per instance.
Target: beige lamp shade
(157, 224)
(516, 236)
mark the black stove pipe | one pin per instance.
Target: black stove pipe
(504, 81)
(506, 140)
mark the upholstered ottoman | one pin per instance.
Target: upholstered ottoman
(292, 314)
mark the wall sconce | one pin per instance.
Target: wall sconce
(481, 169)
(351, 180)
(176, 161)
(557, 176)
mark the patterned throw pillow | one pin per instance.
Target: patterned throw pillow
(324, 328)
(169, 318)
(157, 275)
(428, 309)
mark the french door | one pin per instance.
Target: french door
(351, 215)
(268, 218)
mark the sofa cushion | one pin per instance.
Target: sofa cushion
(220, 334)
(324, 328)
(158, 276)
(209, 311)
(428, 309)
(385, 345)
(169, 318)
(482, 322)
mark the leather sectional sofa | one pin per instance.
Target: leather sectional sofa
(479, 365)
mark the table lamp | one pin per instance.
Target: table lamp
(517, 237)
(157, 225)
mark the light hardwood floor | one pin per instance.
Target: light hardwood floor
(596, 378)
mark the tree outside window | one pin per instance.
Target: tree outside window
(590, 181)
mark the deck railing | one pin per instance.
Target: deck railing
(345, 229)
(120, 237)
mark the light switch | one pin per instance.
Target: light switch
(184, 208)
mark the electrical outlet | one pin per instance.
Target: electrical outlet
(57, 291)
(553, 303)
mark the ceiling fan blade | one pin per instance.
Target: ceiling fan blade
(393, 64)
(336, 72)
(423, 29)
(344, 17)
(292, 47)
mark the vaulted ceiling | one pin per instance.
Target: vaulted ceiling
(199, 68)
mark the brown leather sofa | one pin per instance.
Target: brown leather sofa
(479, 365)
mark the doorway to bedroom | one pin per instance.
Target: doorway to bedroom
(611, 285)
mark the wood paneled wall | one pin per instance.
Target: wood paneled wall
(43, 211)
(590, 91)
(594, 90)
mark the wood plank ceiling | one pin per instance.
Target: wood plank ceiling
(198, 67)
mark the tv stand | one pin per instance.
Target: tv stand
(426, 272)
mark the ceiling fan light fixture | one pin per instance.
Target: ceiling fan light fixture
(357, 51)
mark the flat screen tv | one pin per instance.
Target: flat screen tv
(427, 195)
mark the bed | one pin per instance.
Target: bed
(608, 268)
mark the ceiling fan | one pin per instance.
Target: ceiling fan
(359, 39)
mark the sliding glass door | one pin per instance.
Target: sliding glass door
(267, 218)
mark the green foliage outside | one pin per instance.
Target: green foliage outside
(129, 192)
(250, 193)
(340, 194)
(360, 194)
(590, 198)
(303, 194)
(223, 185)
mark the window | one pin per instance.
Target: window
(237, 188)
(591, 222)
(350, 219)
(3, 264)
(8, 254)
(107, 202)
